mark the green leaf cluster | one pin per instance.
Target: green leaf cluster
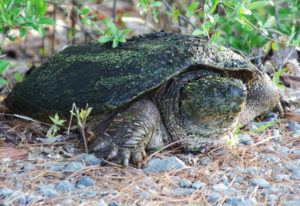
(146, 6)
(112, 33)
(23, 15)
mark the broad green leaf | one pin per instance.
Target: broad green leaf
(193, 6)
(86, 21)
(46, 20)
(22, 32)
(121, 39)
(3, 65)
(274, 46)
(84, 11)
(104, 39)
(3, 81)
(269, 22)
(18, 77)
(156, 4)
(125, 31)
(257, 4)
(197, 32)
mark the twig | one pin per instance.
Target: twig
(115, 11)
(180, 16)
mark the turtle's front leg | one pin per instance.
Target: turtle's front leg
(128, 134)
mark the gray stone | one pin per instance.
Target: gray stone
(197, 184)
(204, 160)
(185, 183)
(253, 171)
(272, 197)
(104, 193)
(296, 152)
(239, 201)
(292, 202)
(219, 187)
(276, 132)
(56, 168)
(22, 201)
(183, 191)
(114, 192)
(88, 193)
(224, 179)
(293, 126)
(32, 197)
(100, 203)
(270, 158)
(86, 181)
(144, 195)
(295, 174)
(245, 139)
(163, 165)
(67, 202)
(282, 149)
(213, 197)
(47, 190)
(281, 177)
(295, 134)
(90, 159)
(262, 183)
(113, 203)
(73, 166)
(65, 186)
(290, 165)
(5, 193)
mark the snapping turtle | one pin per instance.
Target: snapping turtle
(152, 90)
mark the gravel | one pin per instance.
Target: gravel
(163, 165)
(262, 183)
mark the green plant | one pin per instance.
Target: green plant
(55, 127)
(241, 24)
(81, 115)
(147, 6)
(112, 33)
(22, 15)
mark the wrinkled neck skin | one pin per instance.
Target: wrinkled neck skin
(262, 96)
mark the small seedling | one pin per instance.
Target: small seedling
(233, 139)
(81, 116)
(55, 127)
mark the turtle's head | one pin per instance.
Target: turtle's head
(215, 101)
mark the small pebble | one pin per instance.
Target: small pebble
(281, 177)
(86, 181)
(262, 183)
(163, 165)
(219, 187)
(6, 193)
(282, 149)
(295, 174)
(47, 190)
(239, 201)
(185, 183)
(275, 132)
(101, 203)
(22, 201)
(183, 191)
(245, 139)
(65, 186)
(295, 134)
(290, 165)
(292, 202)
(88, 193)
(270, 158)
(296, 152)
(113, 203)
(73, 166)
(224, 179)
(204, 160)
(56, 168)
(213, 196)
(197, 184)
(90, 159)
(293, 126)
(114, 192)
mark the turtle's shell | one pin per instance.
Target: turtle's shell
(107, 78)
